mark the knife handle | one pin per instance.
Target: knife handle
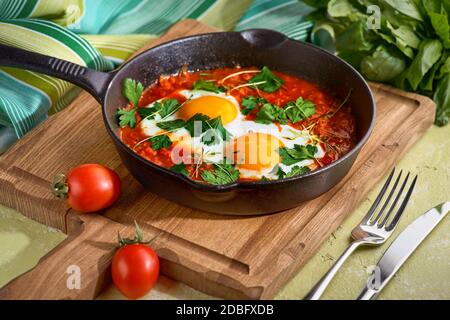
(367, 294)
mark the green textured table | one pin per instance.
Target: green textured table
(426, 275)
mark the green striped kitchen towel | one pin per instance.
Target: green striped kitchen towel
(101, 34)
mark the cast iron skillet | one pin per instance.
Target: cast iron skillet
(256, 47)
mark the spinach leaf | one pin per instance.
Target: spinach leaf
(159, 142)
(429, 53)
(407, 7)
(298, 153)
(268, 82)
(382, 65)
(442, 98)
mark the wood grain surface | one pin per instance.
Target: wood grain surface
(230, 257)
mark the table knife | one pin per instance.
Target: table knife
(400, 250)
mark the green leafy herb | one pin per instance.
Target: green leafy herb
(300, 110)
(214, 131)
(167, 107)
(132, 90)
(270, 113)
(171, 125)
(268, 82)
(159, 142)
(295, 171)
(126, 117)
(221, 174)
(164, 108)
(408, 48)
(197, 119)
(180, 168)
(250, 103)
(207, 86)
(298, 153)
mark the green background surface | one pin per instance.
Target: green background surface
(426, 275)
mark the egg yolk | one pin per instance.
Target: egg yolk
(210, 106)
(256, 151)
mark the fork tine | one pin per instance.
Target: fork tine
(388, 199)
(377, 201)
(394, 203)
(400, 211)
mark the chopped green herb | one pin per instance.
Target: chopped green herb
(126, 117)
(222, 174)
(300, 110)
(167, 107)
(172, 124)
(147, 112)
(190, 123)
(180, 168)
(268, 81)
(132, 90)
(289, 156)
(264, 178)
(214, 131)
(207, 86)
(159, 142)
(270, 113)
(296, 170)
(250, 103)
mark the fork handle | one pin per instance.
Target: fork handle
(321, 286)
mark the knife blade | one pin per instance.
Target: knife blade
(400, 250)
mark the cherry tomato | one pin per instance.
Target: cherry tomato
(88, 188)
(135, 269)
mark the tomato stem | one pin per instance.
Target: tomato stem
(138, 237)
(60, 187)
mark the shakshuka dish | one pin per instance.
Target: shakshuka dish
(235, 124)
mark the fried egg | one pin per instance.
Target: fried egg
(253, 147)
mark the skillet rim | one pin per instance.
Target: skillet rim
(247, 184)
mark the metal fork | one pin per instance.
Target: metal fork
(373, 229)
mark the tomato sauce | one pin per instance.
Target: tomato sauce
(332, 121)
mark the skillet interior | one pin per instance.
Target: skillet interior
(249, 48)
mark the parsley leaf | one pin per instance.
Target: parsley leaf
(296, 170)
(222, 174)
(190, 124)
(290, 156)
(164, 108)
(132, 90)
(271, 81)
(171, 125)
(214, 131)
(126, 118)
(270, 113)
(159, 142)
(180, 168)
(251, 103)
(167, 107)
(300, 110)
(147, 112)
(207, 86)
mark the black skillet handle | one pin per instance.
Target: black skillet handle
(95, 82)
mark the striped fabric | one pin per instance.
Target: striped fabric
(101, 34)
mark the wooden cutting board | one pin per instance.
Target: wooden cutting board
(230, 257)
